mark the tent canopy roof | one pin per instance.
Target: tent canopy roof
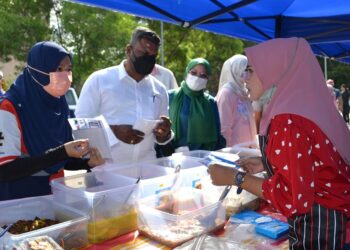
(324, 23)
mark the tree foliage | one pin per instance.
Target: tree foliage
(23, 23)
(97, 38)
(183, 44)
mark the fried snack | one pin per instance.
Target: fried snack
(178, 233)
(38, 243)
(179, 203)
(24, 226)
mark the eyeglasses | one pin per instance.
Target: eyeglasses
(194, 73)
(248, 72)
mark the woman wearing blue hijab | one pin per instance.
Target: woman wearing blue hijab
(36, 139)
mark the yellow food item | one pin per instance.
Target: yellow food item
(106, 229)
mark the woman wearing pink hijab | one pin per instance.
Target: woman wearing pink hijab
(304, 143)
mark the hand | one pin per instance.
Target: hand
(251, 165)
(162, 130)
(222, 175)
(77, 148)
(95, 158)
(127, 134)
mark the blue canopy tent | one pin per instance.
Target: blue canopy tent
(324, 23)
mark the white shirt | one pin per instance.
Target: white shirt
(111, 92)
(165, 76)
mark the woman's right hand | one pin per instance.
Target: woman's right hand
(251, 165)
(77, 148)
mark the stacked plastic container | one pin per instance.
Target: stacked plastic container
(70, 232)
(177, 216)
(108, 199)
(158, 175)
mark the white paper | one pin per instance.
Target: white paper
(95, 131)
(112, 139)
(145, 126)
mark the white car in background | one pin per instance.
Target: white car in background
(72, 100)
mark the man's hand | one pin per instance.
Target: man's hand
(162, 130)
(127, 134)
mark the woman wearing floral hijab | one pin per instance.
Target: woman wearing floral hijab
(194, 114)
(235, 108)
(304, 143)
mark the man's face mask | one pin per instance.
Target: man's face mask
(59, 83)
(143, 64)
(196, 83)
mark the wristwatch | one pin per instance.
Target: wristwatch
(239, 179)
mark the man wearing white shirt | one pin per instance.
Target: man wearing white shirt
(165, 76)
(126, 93)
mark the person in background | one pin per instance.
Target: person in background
(35, 137)
(2, 91)
(194, 113)
(235, 108)
(165, 76)
(345, 102)
(332, 91)
(304, 144)
(336, 91)
(125, 93)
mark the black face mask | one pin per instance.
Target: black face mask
(143, 64)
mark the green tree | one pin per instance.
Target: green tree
(96, 37)
(22, 24)
(337, 71)
(183, 44)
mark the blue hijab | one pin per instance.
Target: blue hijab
(43, 117)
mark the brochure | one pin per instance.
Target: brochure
(97, 131)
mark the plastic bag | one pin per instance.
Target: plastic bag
(210, 243)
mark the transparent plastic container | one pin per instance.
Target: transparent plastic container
(158, 175)
(195, 153)
(233, 203)
(175, 217)
(70, 233)
(109, 200)
(177, 159)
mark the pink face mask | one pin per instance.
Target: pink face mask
(59, 83)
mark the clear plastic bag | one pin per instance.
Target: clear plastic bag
(210, 243)
(244, 235)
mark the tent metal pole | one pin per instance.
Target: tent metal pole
(162, 42)
(325, 67)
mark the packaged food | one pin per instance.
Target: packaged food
(100, 230)
(172, 221)
(65, 225)
(37, 243)
(109, 200)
